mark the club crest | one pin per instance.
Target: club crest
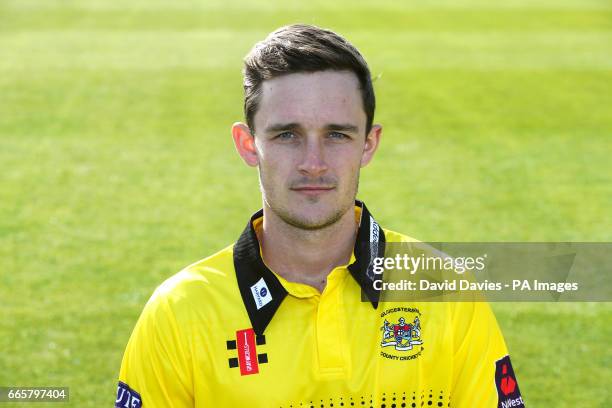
(402, 335)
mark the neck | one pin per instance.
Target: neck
(307, 256)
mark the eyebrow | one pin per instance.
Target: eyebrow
(345, 127)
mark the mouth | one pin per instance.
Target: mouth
(312, 190)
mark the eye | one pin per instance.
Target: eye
(338, 136)
(285, 136)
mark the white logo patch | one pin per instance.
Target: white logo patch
(374, 238)
(261, 293)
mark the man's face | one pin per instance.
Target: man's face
(310, 139)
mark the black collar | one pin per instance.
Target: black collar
(250, 268)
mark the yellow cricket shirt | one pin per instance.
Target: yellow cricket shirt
(228, 332)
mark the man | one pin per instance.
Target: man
(278, 319)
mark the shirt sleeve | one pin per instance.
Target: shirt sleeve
(156, 366)
(478, 347)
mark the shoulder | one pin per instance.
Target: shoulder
(393, 236)
(195, 286)
(402, 243)
(199, 275)
(462, 311)
(185, 305)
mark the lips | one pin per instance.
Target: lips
(312, 189)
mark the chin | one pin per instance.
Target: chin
(310, 221)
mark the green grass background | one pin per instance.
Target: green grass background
(117, 168)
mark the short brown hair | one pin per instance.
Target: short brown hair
(303, 48)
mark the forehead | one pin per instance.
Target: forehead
(311, 99)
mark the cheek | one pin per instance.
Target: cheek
(285, 159)
(348, 166)
(275, 163)
(275, 170)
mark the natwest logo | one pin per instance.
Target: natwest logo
(508, 385)
(507, 389)
(516, 402)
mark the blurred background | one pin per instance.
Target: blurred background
(117, 167)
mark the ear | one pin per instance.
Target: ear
(371, 144)
(245, 143)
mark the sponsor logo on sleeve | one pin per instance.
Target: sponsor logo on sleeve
(261, 293)
(507, 389)
(127, 397)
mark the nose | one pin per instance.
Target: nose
(313, 163)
